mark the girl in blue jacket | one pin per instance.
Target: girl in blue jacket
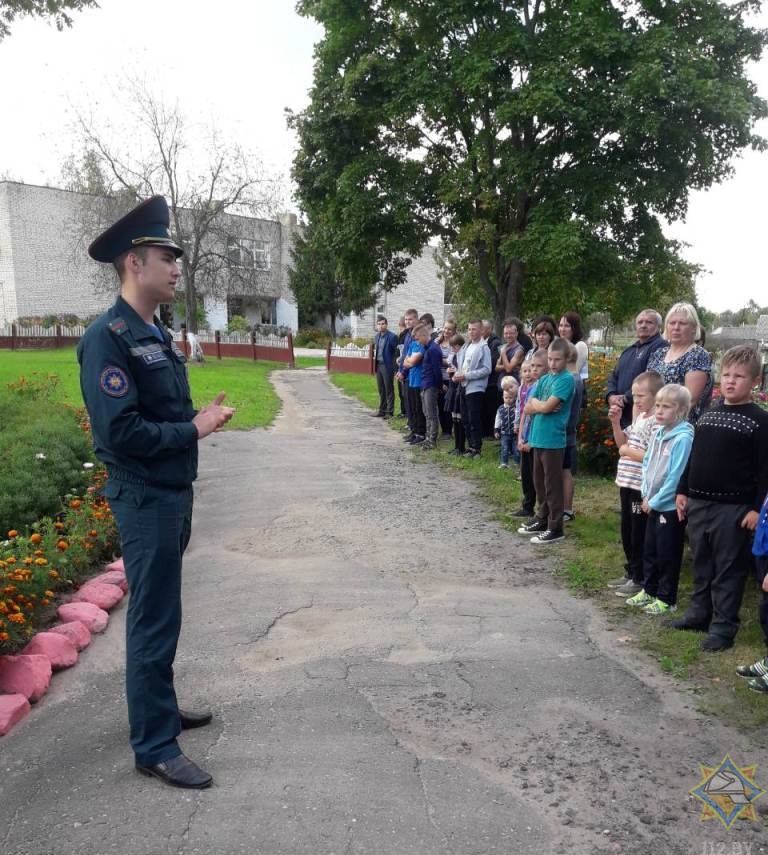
(663, 465)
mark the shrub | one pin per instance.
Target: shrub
(311, 337)
(42, 450)
(597, 450)
(238, 324)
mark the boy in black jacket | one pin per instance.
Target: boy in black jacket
(720, 493)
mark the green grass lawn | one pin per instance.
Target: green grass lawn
(310, 361)
(246, 382)
(591, 555)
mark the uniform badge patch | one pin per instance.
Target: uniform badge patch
(114, 382)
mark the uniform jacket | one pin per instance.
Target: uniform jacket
(137, 394)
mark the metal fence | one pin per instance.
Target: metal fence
(348, 358)
(38, 337)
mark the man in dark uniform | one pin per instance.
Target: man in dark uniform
(385, 351)
(145, 429)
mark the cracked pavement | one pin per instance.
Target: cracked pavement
(390, 671)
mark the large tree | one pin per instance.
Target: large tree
(203, 180)
(56, 9)
(544, 141)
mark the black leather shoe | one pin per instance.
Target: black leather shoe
(179, 771)
(194, 719)
(713, 643)
(687, 623)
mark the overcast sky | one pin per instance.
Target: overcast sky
(238, 65)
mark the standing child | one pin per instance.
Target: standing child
(453, 398)
(504, 426)
(431, 381)
(720, 494)
(570, 461)
(759, 671)
(551, 406)
(663, 464)
(633, 442)
(530, 371)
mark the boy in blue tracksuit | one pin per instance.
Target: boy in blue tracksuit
(663, 464)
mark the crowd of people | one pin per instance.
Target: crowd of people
(686, 464)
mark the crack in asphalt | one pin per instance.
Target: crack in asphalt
(272, 624)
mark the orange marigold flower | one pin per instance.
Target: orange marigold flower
(17, 618)
(38, 552)
(75, 504)
(36, 538)
(59, 526)
(54, 574)
(28, 561)
(3, 607)
(45, 601)
(49, 594)
(93, 533)
(608, 442)
(41, 562)
(13, 533)
(62, 545)
(4, 636)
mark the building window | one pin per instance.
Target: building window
(248, 253)
(235, 307)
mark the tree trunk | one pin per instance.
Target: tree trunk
(513, 285)
(333, 326)
(190, 306)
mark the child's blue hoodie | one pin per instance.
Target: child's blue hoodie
(663, 464)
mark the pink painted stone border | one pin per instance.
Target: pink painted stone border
(26, 676)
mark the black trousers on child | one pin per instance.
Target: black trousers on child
(722, 561)
(633, 524)
(416, 420)
(761, 566)
(663, 555)
(526, 482)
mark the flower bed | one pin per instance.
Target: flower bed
(52, 557)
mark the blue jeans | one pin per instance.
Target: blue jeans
(508, 447)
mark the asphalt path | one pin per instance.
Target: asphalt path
(391, 672)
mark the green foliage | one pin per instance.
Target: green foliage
(311, 337)
(542, 142)
(238, 324)
(42, 451)
(56, 9)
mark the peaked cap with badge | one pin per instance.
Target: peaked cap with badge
(146, 225)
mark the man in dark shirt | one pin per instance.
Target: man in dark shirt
(145, 429)
(633, 361)
(720, 493)
(385, 352)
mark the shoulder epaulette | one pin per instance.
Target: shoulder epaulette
(118, 326)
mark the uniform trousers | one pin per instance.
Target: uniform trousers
(761, 566)
(155, 525)
(416, 420)
(722, 561)
(472, 416)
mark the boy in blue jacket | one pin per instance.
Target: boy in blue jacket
(663, 464)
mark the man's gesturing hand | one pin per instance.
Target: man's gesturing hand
(212, 417)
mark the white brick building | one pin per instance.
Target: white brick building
(423, 290)
(43, 272)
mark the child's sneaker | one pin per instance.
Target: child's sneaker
(548, 536)
(569, 516)
(658, 607)
(503, 466)
(760, 685)
(640, 599)
(628, 589)
(532, 527)
(759, 669)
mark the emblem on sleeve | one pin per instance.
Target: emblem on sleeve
(114, 382)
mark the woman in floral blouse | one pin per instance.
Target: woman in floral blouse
(684, 361)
